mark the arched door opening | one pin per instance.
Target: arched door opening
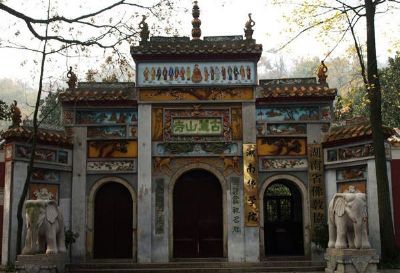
(113, 214)
(283, 224)
(197, 216)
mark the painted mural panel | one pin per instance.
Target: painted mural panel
(286, 129)
(196, 149)
(197, 94)
(22, 151)
(250, 176)
(114, 166)
(106, 117)
(351, 173)
(356, 186)
(43, 191)
(197, 125)
(281, 146)
(269, 164)
(45, 175)
(326, 113)
(196, 73)
(112, 149)
(157, 124)
(236, 125)
(106, 131)
(356, 151)
(279, 114)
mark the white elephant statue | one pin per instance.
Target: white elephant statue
(347, 221)
(45, 228)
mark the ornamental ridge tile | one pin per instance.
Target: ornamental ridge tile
(43, 136)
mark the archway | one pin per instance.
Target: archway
(283, 219)
(113, 222)
(197, 216)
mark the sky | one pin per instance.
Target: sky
(219, 17)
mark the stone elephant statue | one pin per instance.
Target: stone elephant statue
(347, 221)
(45, 228)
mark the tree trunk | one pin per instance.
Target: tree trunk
(374, 94)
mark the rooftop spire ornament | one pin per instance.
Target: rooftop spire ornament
(15, 115)
(144, 30)
(72, 79)
(321, 73)
(248, 31)
(196, 23)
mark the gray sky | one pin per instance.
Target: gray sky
(218, 18)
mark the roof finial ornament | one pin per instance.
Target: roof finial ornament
(196, 23)
(321, 73)
(15, 115)
(72, 79)
(248, 31)
(144, 30)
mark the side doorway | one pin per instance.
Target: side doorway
(283, 224)
(113, 222)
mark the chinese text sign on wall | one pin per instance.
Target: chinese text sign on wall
(250, 185)
(316, 184)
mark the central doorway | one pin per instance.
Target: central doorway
(283, 225)
(113, 222)
(197, 216)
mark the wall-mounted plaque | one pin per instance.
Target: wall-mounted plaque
(196, 73)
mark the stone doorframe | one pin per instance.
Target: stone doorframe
(305, 210)
(90, 213)
(171, 185)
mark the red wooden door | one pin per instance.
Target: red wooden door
(198, 220)
(113, 222)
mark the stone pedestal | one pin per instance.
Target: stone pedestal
(351, 260)
(41, 263)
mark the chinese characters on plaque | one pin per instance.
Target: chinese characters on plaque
(316, 184)
(236, 205)
(250, 185)
(203, 126)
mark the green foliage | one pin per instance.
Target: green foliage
(390, 82)
(50, 109)
(356, 103)
(5, 113)
(70, 238)
(321, 235)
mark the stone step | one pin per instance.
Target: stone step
(197, 267)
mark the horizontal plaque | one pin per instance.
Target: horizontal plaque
(196, 73)
(197, 126)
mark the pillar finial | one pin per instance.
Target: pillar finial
(196, 23)
(321, 73)
(72, 78)
(144, 29)
(248, 31)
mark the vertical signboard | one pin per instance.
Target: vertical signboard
(250, 185)
(316, 184)
(236, 205)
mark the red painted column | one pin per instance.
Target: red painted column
(395, 167)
